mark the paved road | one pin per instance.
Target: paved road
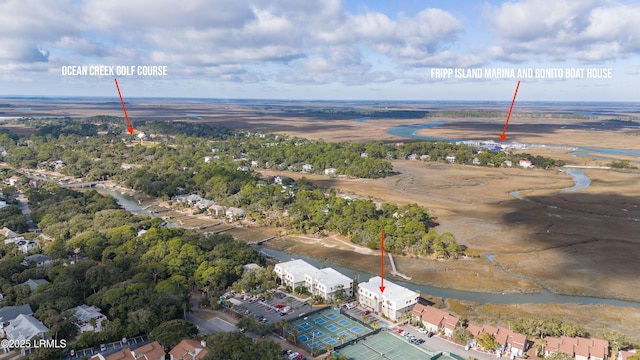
(24, 207)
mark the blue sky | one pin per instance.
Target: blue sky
(320, 49)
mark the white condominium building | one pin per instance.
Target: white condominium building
(327, 282)
(392, 303)
(292, 273)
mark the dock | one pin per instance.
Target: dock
(394, 271)
(259, 242)
(220, 230)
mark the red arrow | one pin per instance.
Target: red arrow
(129, 127)
(504, 131)
(382, 265)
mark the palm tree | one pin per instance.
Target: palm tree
(342, 338)
(293, 337)
(285, 326)
(93, 323)
(365, 319)
(374, 324)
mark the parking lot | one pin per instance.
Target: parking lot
(269, 311)
(358, 313)
(436, 343)
(109, 348)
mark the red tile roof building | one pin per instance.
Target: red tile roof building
(188, 350)
(434, 319)
(578, 347)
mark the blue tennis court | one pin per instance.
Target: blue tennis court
(329, 340)
(326, 327)
(332, 316)
(332, 328)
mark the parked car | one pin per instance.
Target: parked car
(367, 312)
(422, 330)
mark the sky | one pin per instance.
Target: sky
(323, 49)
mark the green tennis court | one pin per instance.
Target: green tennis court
(383, 345)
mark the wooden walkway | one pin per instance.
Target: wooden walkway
(259, 242)
(394, 271)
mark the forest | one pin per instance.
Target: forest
(140, 279)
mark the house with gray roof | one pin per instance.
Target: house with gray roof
(33, 284)
(9, 313)
(25, 327)
(37, 259)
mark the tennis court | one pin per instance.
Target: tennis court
(327, 327)
(383, 345)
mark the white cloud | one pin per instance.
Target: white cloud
(566, 29)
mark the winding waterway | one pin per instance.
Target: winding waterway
(409, 131)
(130, 204)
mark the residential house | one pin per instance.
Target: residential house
(84, 314)
(330, 171)
(190, 199)
(578, 347)
(25, 327)
(13, 180)
(508, 163)
(307, 168)
(476, 161)
(3, 204)
(34, 284)
(364, 155)
(510, 341)
(250, 267)
(7, 233)
(327, 282)
(412, 157)
(217, 210)
(26, 245)
(393, 303)
(254, 164)
(14, 240)
(450, 159)
(9, 313)
(234, 213)
(37, 260)
(58, 164)
(292, 273)
(525, 164)
(474, 329)
(625, 355)
(188, 349)
(434, 319)
(243, 168)
(204, 204)
(207, 159)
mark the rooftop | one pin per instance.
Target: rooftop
(392, 291)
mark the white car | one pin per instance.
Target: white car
(422, 330)
(293, 356)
